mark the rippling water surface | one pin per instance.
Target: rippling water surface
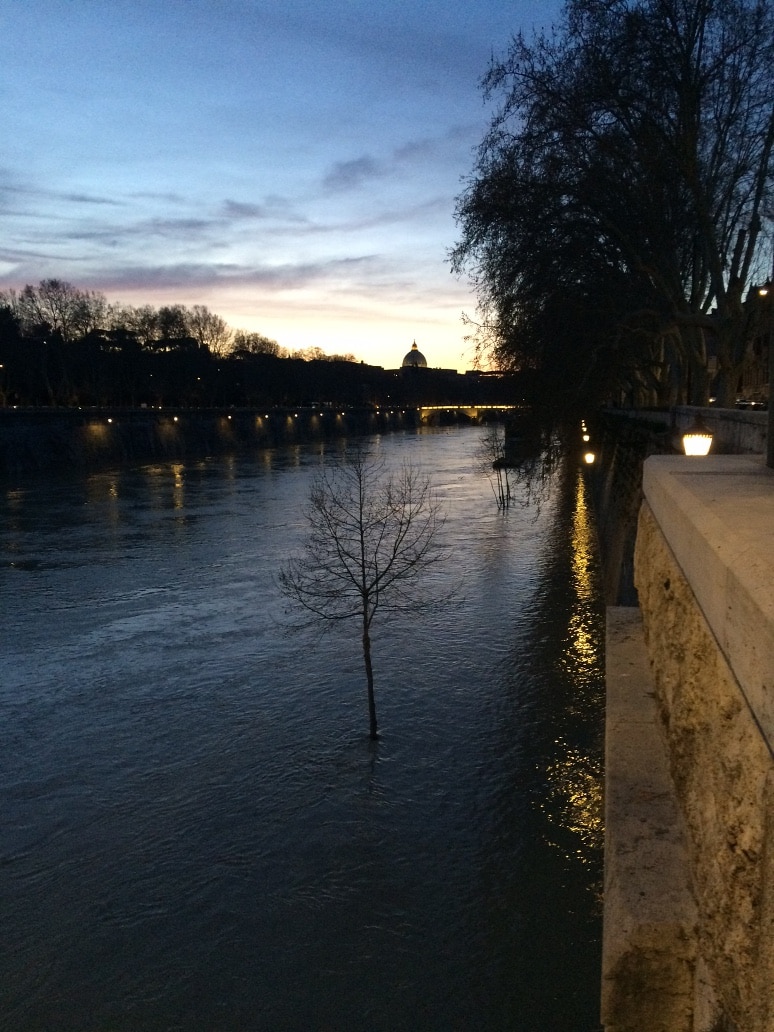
(196, 832)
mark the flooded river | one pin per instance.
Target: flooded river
(196, 832)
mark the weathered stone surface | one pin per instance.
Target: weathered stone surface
(649, 946)
(717, 517)
(719, 759)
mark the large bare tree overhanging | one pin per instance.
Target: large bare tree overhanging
(620, 208)
(373, 539)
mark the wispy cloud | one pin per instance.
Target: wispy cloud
(185, 275)
(272, 208)
(241, 210)
(10, 187)
(456, 139)
(351, 175)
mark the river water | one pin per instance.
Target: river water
(196, 832)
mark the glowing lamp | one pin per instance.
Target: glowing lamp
(589, 457)
(697, 439)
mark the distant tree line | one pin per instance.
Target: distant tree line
(618, 223)
(61, 346)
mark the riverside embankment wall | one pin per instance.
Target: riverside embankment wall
(689, 879)
(63, 438)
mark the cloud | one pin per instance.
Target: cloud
(350, 175)
(181, 230)
(394, 215)
(434, 148)
(186, 275)
(274, 206)
(11, 185)
(242, 210)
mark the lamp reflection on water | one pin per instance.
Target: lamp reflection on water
(583, 545)
(178, 489)
(574, 802)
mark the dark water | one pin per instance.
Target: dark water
(196, 832)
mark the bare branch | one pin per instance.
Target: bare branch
(373, 536)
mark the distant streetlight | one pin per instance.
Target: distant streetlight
(697, 438)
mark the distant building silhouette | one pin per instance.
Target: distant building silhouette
(414, 359)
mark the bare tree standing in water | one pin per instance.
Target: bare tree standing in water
(372, 538)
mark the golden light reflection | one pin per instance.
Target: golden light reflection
(98, 432)
(582, 544)
(584, 640)
(575, 799)
(582, 652)
(178, 488)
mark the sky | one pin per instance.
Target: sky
(291, 164)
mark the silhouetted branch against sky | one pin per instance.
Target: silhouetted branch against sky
(373, 535)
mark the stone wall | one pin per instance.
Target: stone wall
(649, 949)
(695, 564)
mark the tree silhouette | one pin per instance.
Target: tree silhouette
(618, 212)
(373, 536)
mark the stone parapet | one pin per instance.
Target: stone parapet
(717, 517)
(704, 570)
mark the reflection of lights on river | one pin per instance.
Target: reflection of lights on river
(582, 544)
(178, 491)
(103, 490)
(582, 652)
(583, 646)
(574, 800)
(575, 781)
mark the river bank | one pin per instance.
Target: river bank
(61, 438)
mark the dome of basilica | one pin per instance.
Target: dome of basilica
(414, 359)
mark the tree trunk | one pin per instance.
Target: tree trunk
(373, 733)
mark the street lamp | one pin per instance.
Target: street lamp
(697, 438)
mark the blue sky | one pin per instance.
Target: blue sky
(291, 164)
